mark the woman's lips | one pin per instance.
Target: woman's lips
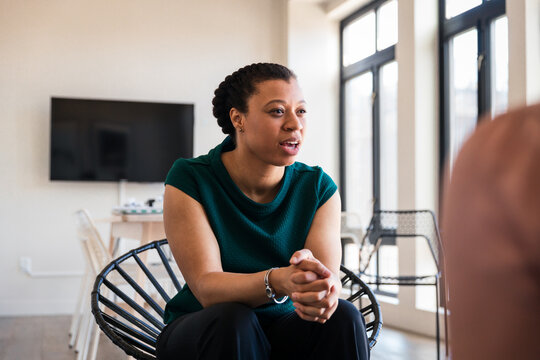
(290, 147)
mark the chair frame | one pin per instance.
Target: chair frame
(83, 333)
(138, 338)
(376, 233)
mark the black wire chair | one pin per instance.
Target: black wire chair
(386, 225)
(131, 313)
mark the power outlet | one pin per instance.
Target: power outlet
(26, 264)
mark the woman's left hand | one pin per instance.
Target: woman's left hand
(312, 308)
(319, 296)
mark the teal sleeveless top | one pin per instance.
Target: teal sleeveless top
(252, 237)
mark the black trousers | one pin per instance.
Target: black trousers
(233, 331)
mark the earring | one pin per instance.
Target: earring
(241, 130)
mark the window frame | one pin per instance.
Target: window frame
(372, 63)
(479, 18)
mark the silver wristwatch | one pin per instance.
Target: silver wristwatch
(269, 291)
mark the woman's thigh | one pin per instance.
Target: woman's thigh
(343, 336)
(227, 330)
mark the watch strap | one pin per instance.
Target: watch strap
(270, 293)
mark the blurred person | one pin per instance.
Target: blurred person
(491, 234)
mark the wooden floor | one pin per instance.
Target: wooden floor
(46, 338)
(398, 345)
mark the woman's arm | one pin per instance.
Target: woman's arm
(323, 238)
(317, 291)
(196, 251)
(197, 254)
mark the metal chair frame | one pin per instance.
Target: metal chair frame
(407, 224)
(135, 330)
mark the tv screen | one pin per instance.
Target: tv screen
(106, 140)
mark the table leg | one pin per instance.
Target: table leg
(111, 243)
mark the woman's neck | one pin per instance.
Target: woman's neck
(259, 182)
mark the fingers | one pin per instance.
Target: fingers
(315, 297)
(308, 313)
(329, 311)
(308, 286)
(313, 287)
(320, 298)
(318, 285)
(304, 277)
(300, 256)
(311, 313)
(327, 314)
(314, 266)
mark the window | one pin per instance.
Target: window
(463, 87)
(474, 68)
(456, 7)
(499, 54)
(368, 143)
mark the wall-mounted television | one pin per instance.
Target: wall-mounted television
(108, 140)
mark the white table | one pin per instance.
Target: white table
(143, 227)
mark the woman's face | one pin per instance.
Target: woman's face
(273, 127)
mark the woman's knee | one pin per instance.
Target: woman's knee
(235, 333)
(231, 311)
(227, 330)
(234, 317)
(349, 323)
(348, 313)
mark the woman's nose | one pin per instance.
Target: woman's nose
(293, 123)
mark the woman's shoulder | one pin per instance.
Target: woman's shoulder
(203, 160)
(184, 169)
(314, 172)
(199, 160)
(301, 167)
(188, 175)
(312, 180)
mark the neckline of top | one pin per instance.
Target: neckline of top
(225, 178)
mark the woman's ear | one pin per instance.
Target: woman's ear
(237, 119)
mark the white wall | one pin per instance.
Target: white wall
(418, 90)
(167, 50)
(314, 56)
(524, 43)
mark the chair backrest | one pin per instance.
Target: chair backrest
(94, 248)
(351, 227)
(404, 223)
(131, 314)
(367, 303)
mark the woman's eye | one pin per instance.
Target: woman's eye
(277, 111)
(302, 111)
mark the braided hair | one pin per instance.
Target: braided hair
(235, 90)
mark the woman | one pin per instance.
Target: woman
(256, 236)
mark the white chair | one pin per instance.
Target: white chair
(83, 330)
(351, 227)
(352, 234)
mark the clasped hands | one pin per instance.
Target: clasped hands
(313, 288)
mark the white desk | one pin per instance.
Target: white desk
(144, 227)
